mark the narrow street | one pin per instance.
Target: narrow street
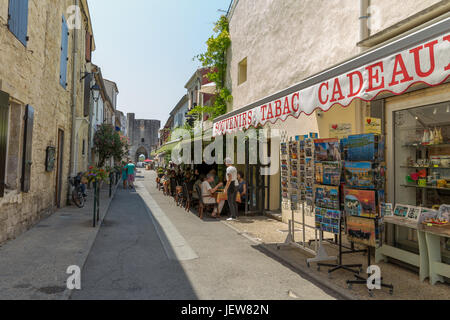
(148, 248)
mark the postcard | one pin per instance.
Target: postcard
(360, 203)
(413, 213)
(361, 147)
(387, 210)
(362, 230)
(327, 196)
(401, 210)
(327, 149)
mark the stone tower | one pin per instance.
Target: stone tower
(143, 135)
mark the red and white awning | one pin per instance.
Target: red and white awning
(427, 62)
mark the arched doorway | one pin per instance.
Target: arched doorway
(139, 152)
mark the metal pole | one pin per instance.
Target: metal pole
(98, 203)
(110, 184)
(95, 203)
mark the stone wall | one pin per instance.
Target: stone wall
(30, 75)
(137, 130)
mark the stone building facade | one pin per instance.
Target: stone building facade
(40, 71)
(143, 136)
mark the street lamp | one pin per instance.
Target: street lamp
(95, 92)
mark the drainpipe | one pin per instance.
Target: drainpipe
(74, 100)
(364, 31)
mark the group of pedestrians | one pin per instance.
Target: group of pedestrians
(128, 174)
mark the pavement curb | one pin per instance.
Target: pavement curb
(87, 250)
(300, 269)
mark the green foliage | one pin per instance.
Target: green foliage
(215, 59)
(108, 143)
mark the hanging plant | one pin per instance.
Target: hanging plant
(215, 59)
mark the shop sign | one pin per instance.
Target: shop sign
(340, 130)
(427, 63)
(372, 125)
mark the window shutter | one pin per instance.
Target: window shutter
(87, 94)
(27, 149)
(4, 107)
(18, 19)
(88, 46)
(64, 53)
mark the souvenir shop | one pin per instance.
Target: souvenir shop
(382, 183)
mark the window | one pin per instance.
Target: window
(64, 53)
(83, 148)
(242, 71)
(18, 19)
(15, 145)
(142, 140)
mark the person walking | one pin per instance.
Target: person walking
(131, 169)
(124, 174)
(231, 188)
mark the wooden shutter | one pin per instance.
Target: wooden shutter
(64, 53)
(27, 149)
(18, 19)
(88, 46)
(87, 94)
(4, 107)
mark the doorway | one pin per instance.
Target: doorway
(59, 168)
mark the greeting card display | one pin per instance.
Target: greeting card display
(327, 149)
(362, 230)
(367, 175)
(327, 197)
(328, 172)
(361, 203)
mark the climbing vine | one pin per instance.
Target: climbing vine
(215, 59)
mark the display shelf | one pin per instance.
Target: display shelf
(419, 167)
(441, 145)
(423, 187)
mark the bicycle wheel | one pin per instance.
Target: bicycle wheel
(78, 199)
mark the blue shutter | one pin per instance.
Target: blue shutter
(64, 53)
(18, 19)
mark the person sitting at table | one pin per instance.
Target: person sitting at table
(242, 188)
(208, 194)
(197, 182)
(216, 178)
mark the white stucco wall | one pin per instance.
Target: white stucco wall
(290, 40)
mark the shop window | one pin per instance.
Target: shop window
(242, 71)
(11, 128)
(422, 155)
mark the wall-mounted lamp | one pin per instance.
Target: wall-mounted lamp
(95, 89)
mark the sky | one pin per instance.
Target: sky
(147, 47)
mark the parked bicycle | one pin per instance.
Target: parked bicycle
(78, 190)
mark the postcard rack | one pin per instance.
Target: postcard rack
(296, 192)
